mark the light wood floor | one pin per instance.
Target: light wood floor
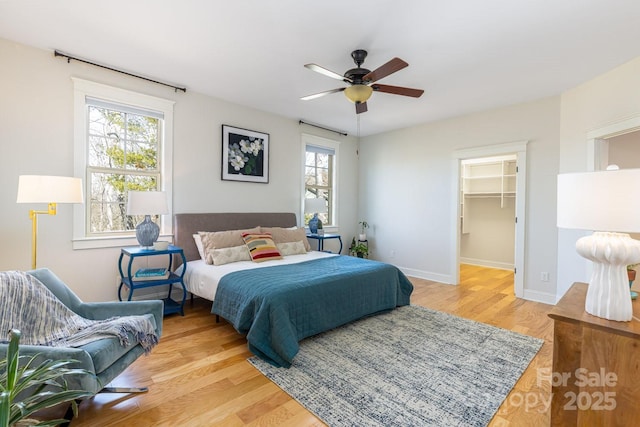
(198, 374)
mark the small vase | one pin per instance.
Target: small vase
(362, 237)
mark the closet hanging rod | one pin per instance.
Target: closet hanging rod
(69, 58)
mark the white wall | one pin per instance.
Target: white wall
(405, 176)
(36, 137)
(406, 183)
(491, 232)
(610, 98)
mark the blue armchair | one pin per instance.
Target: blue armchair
(105, 358)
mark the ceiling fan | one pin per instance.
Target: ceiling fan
(363, 81)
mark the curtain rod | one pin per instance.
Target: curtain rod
(69, 58)
(301, 122)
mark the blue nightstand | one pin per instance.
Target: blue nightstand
(322, 238)
(170, 305)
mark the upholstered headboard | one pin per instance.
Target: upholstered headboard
(185, 225)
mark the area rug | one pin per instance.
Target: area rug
(410, 367)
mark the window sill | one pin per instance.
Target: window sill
(329, 229)
(110, 242)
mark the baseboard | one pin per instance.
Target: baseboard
(538, 296)
(487, 263)
(434, 277)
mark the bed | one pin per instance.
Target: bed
(277, 303)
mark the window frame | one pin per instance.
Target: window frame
(84, 89)
(330, 145)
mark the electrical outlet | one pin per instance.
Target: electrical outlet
(393, 254)
(544, 276)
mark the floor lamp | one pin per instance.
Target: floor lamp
(605, 202)
(50, 190)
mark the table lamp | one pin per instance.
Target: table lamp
(147, 203)
(315, 206)
(607, 203)
(50, 190)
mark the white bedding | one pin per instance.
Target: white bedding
(202, 279)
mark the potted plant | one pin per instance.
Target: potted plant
(363, 226)
(27, 389)
(631, 273)
(361, 250)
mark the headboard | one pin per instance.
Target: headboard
(185, 225)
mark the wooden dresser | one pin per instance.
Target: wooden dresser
(596, 366)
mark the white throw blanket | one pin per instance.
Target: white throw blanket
(29, 306)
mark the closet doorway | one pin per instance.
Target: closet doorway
(491, 209)
(488, 211)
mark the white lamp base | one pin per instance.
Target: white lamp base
(608, 295)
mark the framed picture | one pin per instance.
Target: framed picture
(245, 155)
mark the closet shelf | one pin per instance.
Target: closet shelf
(489, 176)
(497, 194)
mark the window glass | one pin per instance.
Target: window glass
(123, 155)
(320, 177)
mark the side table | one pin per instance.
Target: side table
(595, 372)
(170, 305)
(322, 238)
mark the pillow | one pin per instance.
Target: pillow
(291, 248)
(285, 235)
(261, 247)
(198, 240)
(222, 239)
(228, 255)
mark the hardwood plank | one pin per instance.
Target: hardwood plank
(198, 374)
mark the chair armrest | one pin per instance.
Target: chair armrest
(54, 353)
(105, 310)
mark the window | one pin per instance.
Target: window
(122, 143)
(320, 177)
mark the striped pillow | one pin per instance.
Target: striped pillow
(261, 247)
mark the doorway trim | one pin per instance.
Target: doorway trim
(598, 146)
(519, 148)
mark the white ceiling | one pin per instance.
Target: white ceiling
(468, 55)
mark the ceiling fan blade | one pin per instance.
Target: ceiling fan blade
(328, 73)
(398, 90)
(361, 107)
(390, 67)
(318, 95)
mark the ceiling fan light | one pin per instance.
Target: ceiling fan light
(358, 93)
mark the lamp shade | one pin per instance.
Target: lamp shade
(358, 93)
(599, 201)
(147, 203)
(604, 202)
(49, 189)
(318, 205)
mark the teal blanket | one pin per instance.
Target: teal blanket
(278, 306)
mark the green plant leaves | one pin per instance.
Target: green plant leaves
(43, 384)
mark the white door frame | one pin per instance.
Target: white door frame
(518, 148)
